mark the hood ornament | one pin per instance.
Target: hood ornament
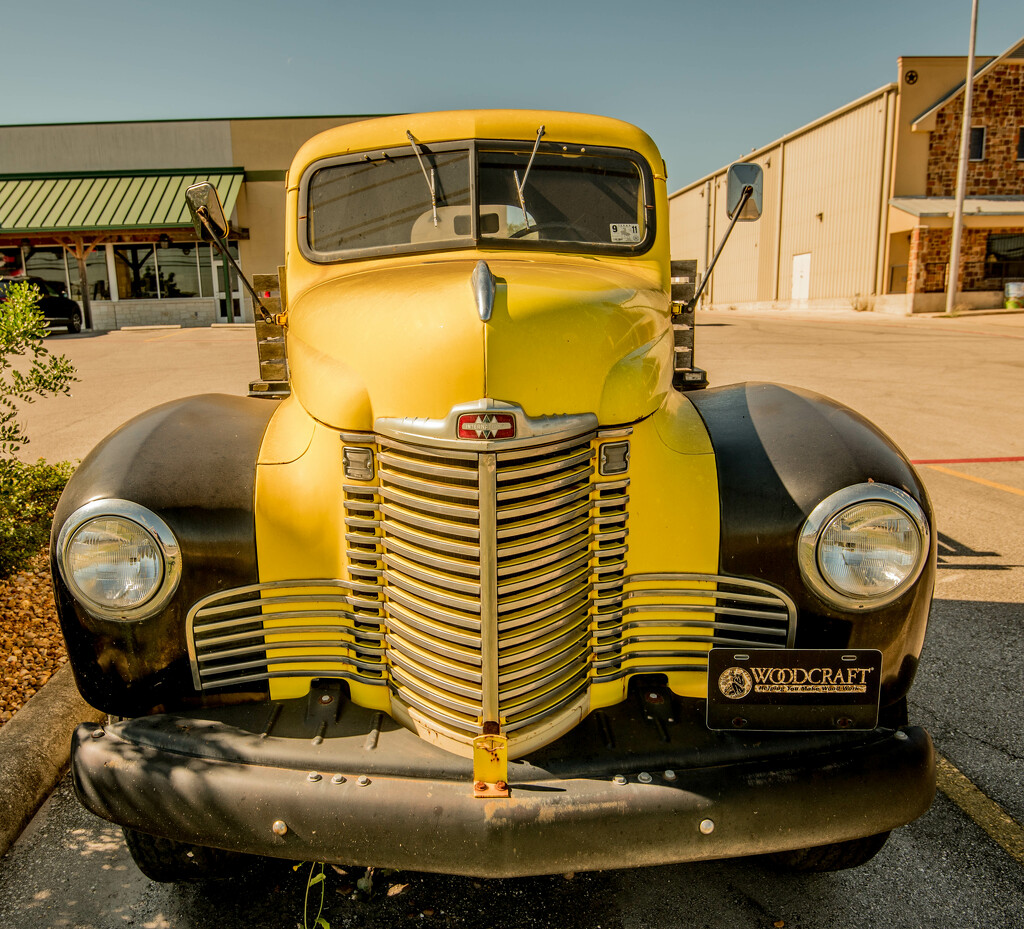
(483, 290)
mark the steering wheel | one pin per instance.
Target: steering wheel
(580, 234)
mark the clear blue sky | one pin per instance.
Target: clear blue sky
(709, 81)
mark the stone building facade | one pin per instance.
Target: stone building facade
(929, 259)
(994, 187)
(998, 109)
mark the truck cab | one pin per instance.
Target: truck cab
(484, 589)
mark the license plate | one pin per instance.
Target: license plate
(793, 688)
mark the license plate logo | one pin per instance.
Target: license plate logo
(793, 688)
(487, 426)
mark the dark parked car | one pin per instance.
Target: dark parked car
(58, 308)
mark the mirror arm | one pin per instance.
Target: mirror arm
(204, 218)
(744, 197)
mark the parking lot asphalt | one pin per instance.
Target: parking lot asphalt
(947, 390)
(125, 372)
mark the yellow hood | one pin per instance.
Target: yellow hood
(408, 341)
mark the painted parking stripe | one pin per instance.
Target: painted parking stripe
(1002, 828)
(977, 480)
(935, 461)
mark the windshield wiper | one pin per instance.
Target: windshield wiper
(430, 178)
(521, 187)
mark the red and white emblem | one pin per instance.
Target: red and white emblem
(487, 426)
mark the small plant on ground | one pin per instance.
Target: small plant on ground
(315, 877)
(28, 493)
(861, 304)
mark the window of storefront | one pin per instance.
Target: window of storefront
(179, 274)
(151, 271)
(48, 264)
(135, 266)
(11, 263)
(204, 254)
(164, 271)
(1004, 259)
(96, 271)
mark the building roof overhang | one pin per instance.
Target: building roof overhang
(107, 202)
(944, 207)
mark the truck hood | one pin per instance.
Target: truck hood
(408, 341)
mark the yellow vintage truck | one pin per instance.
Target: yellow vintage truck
(490, 591)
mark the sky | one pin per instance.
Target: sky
(709, 81)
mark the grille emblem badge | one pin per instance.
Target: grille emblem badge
(487, 426)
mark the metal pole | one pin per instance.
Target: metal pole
(961, 173)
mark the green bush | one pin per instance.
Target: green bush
(28, 493)
(22, 330)
(28, 497)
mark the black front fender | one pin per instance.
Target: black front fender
(193, 463)
(779, 452)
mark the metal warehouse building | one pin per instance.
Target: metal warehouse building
(98, 210)
(858, 205)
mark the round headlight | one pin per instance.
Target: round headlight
(861, 547)
(119, 560)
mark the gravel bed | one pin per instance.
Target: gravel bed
(31, 646)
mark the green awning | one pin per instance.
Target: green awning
(107, 201)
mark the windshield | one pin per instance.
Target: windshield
(492, 195)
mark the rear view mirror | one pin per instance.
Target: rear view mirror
(207, 212)
(742, 176)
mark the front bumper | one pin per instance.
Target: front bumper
(358, 790)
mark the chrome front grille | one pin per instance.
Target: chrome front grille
(667, 622)
(544, 577)
(487, 579)
(486, 583)
(430, 536)
(312, 628)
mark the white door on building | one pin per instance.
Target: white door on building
(801, 276)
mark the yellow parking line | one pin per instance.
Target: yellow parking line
(977, 480)
(1003, 829)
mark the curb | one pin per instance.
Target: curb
(35, 746)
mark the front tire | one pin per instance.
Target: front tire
(75, 323)
(171, 862)
(836, 856)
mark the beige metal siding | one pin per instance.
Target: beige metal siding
(744, 272)
(688, 218)
(823, 195)
(831, 203)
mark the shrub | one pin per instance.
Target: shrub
(28, 493)
(28, 497)
(22, 329)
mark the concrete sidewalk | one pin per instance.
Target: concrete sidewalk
(1013, 319)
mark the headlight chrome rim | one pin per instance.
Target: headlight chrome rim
(154, 526)
(822, 516)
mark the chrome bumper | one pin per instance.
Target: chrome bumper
(371, 793)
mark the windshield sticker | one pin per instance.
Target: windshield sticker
(628, 233)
